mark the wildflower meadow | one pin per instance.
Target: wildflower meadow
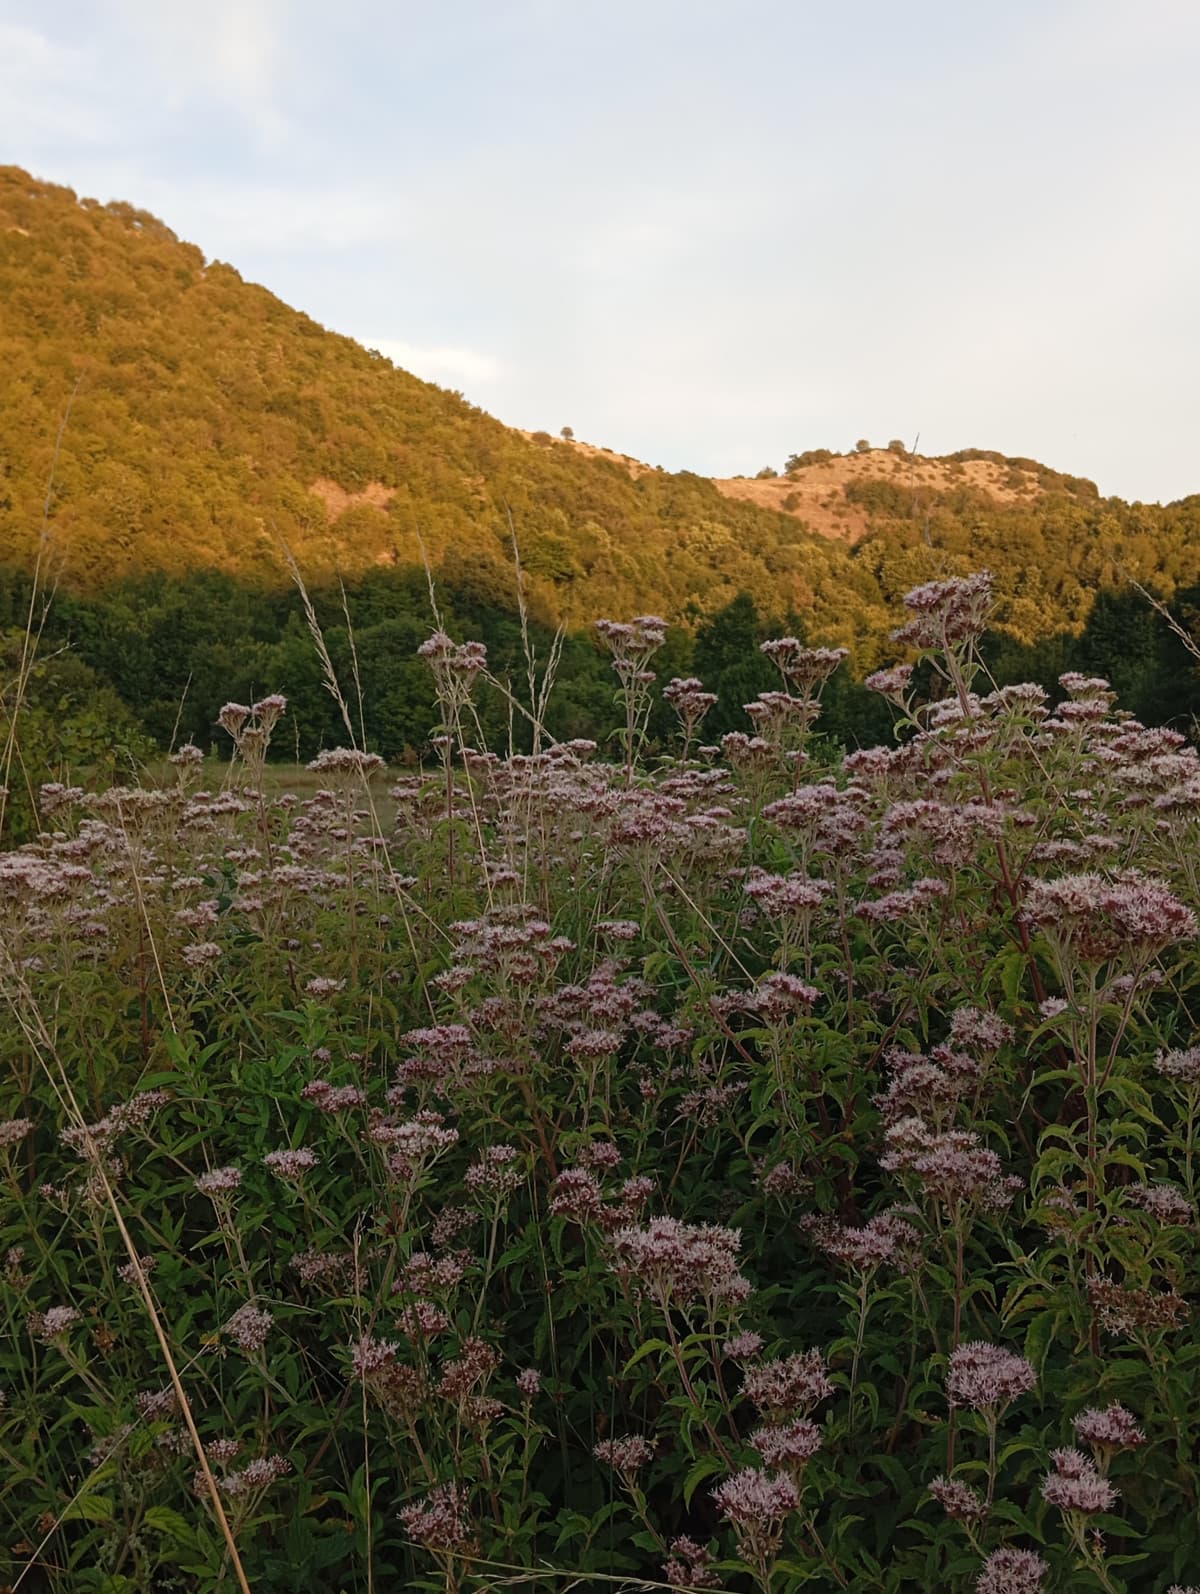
(744, 1167)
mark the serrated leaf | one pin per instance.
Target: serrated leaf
(162, 1519)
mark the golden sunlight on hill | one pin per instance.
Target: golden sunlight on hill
(817, 495)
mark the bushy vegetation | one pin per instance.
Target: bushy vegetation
(729, 1166)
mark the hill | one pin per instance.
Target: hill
(840, 495)
(211, 423)
(207, 424)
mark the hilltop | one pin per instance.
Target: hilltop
(840, 496)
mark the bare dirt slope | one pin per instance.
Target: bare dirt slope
(635, 467)
(816, 493)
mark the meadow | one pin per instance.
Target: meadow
(744, 1167)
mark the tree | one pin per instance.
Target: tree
(727, 660)
(810, 456)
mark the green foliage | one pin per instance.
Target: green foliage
(810, 456)
(65, 723)
(520, 1155)
(880, 497)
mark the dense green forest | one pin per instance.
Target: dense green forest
(146, 664)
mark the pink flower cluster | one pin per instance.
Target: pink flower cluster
(680, 1263)
(987, 1377)
(788, 1444)
(886, 1238)
(254, 1476)
(1076, 1485)
(789, 1385)
(1108, 1430)
(1011, 1571)
(756, 1499)
(689, 1566)
(952, 1165)
(52, 1325)
(439, 1520)
(626, 1455)
(248, 1327)
(958, 1500)
(291, 1162)
(947, 612)
(1098, 920)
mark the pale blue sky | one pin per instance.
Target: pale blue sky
(703, 234)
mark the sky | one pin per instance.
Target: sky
(708, 235)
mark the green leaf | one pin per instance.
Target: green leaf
(89, 1508)
(162, 1519)
(704, 1467)
(643, 1351)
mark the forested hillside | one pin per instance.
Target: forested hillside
(189, 426)
(211, 423)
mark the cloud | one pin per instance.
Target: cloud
(44, 91)
(447, 366)
(228, 50)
